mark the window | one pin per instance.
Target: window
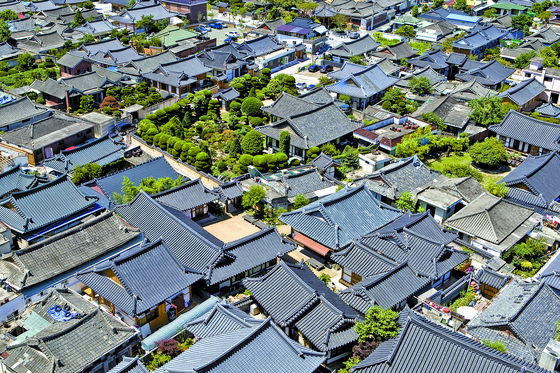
(152, 315)
(547, 79)
(80, 134)
(527, 75)
(26, 120)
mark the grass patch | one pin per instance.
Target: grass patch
(384, 41)
(420, 46)
(25, 78)
(460, 162)
(452, 160)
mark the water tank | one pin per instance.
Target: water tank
(254, 310)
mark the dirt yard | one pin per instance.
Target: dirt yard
(231, 229)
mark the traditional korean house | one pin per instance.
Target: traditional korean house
(191, 198)
(230, 194)
(19, 112)
(547, 36)
(130, 16)
(478, 41)
(15, 180)
(490, 282)
(526, 94)
(433, 59)
(491, 74)
(359, 47)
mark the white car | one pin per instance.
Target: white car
(232, 33)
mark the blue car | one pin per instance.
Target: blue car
(313, 68)
(216, 25)
(230, 39)
(200, 29)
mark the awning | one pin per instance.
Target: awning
(320, 29)
(310, 244)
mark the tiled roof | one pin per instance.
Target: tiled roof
(43, 205)
(490, 74)
(322, 162)
(548, 109)
(68, 250)
(524, 91)
(480, 38)
(547, 36)
(194, 247)
(442, 28)
(8, 51)
(260, 46)
(447, 351)
(456, 58)
(401, 50)
(471, 90)
(249, 252)
(529, 130)
(178, 73)
(98, 334)
(529, 311)
(264, 348)
(314, 127)
(364, 44)
(304, 182)
(134, 14)
(229, 190)
(294, 295)
(129, 365)
(453, 111)
(148, 64)
(287, 105)
(427, 72)
(490, 218)
(62, 297)
(96, 27)
(537, 174)
(19, 110)
(366, 83)
(229, 94)
(466, 188)
(491, 278)
(336, 220)
(156, 168)
(222, 318)
(147, 275)
(404, 175)
(102, 151)
(434, 59)
(42, 42)
(187, 196)
(347, 69)
(16, 180)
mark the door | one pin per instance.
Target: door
(554, 97)
(48, 153)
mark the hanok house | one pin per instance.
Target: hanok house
(435, 32)
(413, 246)
(98, 29)
(45, 210)
(530, 184)
(453, 111)
(258, 346)
(325, 164)
(528, 135)
(69, 252)
(17, 113)
(66, 93)
(78, 61)
(433, 59)
(494, 224)
(122, 287)
(193, 10)
(477, 42)
(447, 350)
(547, 36)
(320, 125)
(492, 74)
(224, 60)
(523, 317)
(282, 190)
(287, 105)
(396, 52)
(230, 194)
(307, 310)
(490, 282)
(427, 72)
(191, 198)
(42, 43)
(471, 91)
(178, 77)
(101, 151)
(351, 213)
(246, 257)
(526, 95)
(130, 17)
(365, 87)
(406, 175)
(15, 179)
(44, 138)
(359, 47)
(105, 339)
(136, 68)
(155, 167)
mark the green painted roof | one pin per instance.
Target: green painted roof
(508, 6)
(172, 34)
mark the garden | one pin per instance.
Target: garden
(26, 71)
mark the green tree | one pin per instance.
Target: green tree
(8, 15)
(313, 153)
(486, 111)
(550, 57)
(87, 38)
(462, 5)
(405, 202)
(407, 31)
(191, 157)
(244, 161)
(348, 364)
(437, 4)
(87, 103)
(259, 162)
(300, 201)
(415, 11)
(325, 278)
(490, 13)
(253, 196)
(324, 81)
(499, 190)
(496, 345)
(249, 7)
(265, 76)
(345, 98)
(5, 32)
(545, 16)
(78, 19)
(425, 8)
(340, 21)
(26, 61)
(523, 59)
(203, 162)
(214, 109)
(350, 158)
(284, 142)
(394, 101)
(380, 324)
(357, 59)
(420, 85)
(282, 160)
(252, 143)
(251, 106)
(87, 172)
(490, 152)
(88, 5)
(200, 102)
(522, 22)
(290, 86)
(147, 23)
(432, 118)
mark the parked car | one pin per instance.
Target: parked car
(354, 35)
(232, 33)
(301, 85)
(326, 69)
(201, 30)
(216, 25)
(229, 39)
(310, 87)
(224, 25)
(313, 68)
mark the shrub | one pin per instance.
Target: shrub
(325, 278)
(41, 100)
(193, 152)
(284, 142)
(490, 152)
(203, 161)
(300, 201)
(259, 162)
(271, 162)
(282, 160)
(169, 347)
(252, 143)
(313, 152)
(109, 101)
(251, 106)
(496, 345)
(255, 121)
(244, 161)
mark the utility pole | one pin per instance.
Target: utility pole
(373, 14)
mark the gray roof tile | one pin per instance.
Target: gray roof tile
(18, 110)
(364, 44)
(364, 84)
(16, 180)
(492, 73)
(524, 92)
(187, 196)
(548, 109)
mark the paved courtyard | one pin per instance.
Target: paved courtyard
(231, 228)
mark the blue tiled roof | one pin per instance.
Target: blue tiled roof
(229, 190)
(363, 84)
(194, 247)
(148, 275)
(336, 220)
(101, 151)
(548, 109)
(249, 252)
(44, 205)
(434, 59)
(480, 38)
(490, 74)
(187, 196)
(524, 91)
(529, 130)
(15, 180)
(491, 278)
(263, 349)
(156, 168)
(425, 346)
